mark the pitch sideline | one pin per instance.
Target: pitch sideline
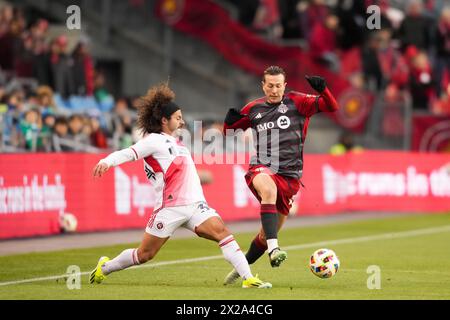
(383, 236)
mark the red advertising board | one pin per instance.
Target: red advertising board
(35, 189)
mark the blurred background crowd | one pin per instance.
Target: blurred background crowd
(54, 96)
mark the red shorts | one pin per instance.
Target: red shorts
(287, 187)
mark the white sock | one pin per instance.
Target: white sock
(234, 255)
(124, 260)
(271, 244)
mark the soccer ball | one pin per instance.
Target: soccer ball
(324, 263)
(68, 222)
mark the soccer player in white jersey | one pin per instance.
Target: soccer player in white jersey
(180, 200)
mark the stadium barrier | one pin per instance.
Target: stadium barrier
(36, 190)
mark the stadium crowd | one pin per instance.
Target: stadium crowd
(410, 52)
(52, 98)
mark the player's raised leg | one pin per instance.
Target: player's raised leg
(148, 248)
(214, 229)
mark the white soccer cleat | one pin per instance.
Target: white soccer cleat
(231, 277)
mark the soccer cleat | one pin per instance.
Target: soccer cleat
(97, 274)
(254, 282)
(277, 256)
(231, 277)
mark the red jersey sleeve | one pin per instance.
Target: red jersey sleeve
(308, 104)
(244, 123)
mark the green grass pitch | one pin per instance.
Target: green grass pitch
(414, 265)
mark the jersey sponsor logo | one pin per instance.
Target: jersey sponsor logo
(283, 122)
(265, 126)
(282, 108)
(258, 116)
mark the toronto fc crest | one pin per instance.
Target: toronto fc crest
(282, 108)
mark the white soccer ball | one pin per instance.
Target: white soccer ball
(69, 222)
(324, 263)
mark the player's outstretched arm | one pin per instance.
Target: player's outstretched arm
(114, 159)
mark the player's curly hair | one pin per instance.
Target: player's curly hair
(149, 108)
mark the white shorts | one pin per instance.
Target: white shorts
(164, 222)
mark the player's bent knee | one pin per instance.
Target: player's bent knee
(268, 193)
(220, 231)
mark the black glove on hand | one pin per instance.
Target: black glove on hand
(232, 116)
(317, 83)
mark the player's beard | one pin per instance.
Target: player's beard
(177, 132)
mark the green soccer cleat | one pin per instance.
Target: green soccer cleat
(256, 283)
(231, 277)
(276, 257)
(97, 275)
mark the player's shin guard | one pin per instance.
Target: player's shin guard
(126, 259)
(234, 255)
(256, 250)
(269, 220)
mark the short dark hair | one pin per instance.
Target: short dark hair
(273, 71)
(61, 120)
(150, 108)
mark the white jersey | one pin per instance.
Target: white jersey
(169, 168)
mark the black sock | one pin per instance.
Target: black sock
(256, 250)
(269, 220)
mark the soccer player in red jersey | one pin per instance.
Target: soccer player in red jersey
(275, 171)
(169, 167)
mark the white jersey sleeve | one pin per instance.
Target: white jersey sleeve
(144, 147)
(118, 157)
(141, 149)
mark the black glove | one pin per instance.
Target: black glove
(317, 83)
(232, 116)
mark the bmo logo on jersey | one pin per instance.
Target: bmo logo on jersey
(283, 122)
(265, 126)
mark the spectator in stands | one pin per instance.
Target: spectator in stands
(421, 82)
(98, 135)
(382, 63)
(60, 136)
(23, 62)
(290, 22)
(352, 21)
(41, 63)
(414, 29)
(100, 91)
(322, 43)
(122, 124)
(247, 10)
(45, 100)
(268, 20)
(48, 125)
(311, 15)
(76, 134)
(30, 127)
(391, 17)
(442, 61)
(83, 70)
(61, 67)
(7, 38)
